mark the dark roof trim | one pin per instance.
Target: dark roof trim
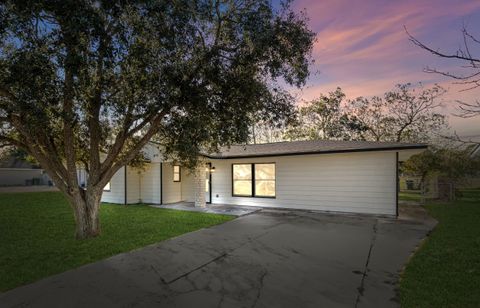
(411, 147)
(474, 150)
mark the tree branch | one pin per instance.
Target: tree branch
(437, 52)
(68, 122)
(154, 126)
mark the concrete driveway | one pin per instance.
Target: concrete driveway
(265, 259)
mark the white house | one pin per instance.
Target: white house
(341, 176)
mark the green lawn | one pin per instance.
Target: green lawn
(445, 272)
(410, 196)
(37, 234)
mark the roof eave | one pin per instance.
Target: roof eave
(412, 147)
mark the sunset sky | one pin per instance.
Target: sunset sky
(363, 48)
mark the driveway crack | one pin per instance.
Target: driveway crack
(260, 287)
(198, 268)
(361, 288)
(223, 255)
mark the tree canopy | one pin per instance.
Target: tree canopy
(404, 114)
(325, 118)
(91, 82)
(453, 163)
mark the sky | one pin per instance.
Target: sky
(362, 47)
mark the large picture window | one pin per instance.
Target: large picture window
(253, 180)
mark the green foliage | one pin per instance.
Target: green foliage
(452, 163)
(80, 77)
(36, 234)
(324, 118)
(92, 82)
(405, 114)
(445, 272)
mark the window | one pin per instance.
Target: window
(253, 180)
(176, 174)
(242, 180)
(107, 187)
(264, 180)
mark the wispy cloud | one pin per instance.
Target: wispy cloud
(363, 48)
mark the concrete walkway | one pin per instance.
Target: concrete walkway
(265, 259)
(235, 210)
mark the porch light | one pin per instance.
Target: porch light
(212, 169)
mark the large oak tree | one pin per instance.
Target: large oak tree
(91, 82)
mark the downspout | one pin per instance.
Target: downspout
(125, 186)
(397, 183)
(161, 183)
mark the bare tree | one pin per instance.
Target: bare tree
(469, 77)
(405, 114)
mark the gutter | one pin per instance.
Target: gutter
(397, 182)
(413, 147)
(161, 183)
(125, 186)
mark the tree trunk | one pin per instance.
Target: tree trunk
(86, 206)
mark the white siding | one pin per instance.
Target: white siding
(150, 184)
(117, 188)
(187, 186)
(133, 185)
(350, 182)
(172, 191)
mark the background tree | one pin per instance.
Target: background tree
(270, 127)
(468, 75)
(455, 164)
(422, 164)
(91, 82)
(324, 118)
(404, 114)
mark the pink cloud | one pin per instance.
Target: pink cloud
(362, 46)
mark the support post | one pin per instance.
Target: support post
(199, 185)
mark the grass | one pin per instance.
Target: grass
(410, 196)
(37, 234)
(445, 272)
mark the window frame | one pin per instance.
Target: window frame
(253, 180)
(179, 173)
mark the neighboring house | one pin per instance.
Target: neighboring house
(18, 172)
(341, 176)
(473, 181)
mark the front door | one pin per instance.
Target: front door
(208, 183)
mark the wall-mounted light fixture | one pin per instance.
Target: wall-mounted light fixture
(211, 169)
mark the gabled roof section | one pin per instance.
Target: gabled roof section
(475, 151)
(17, 163)
(288, 148)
